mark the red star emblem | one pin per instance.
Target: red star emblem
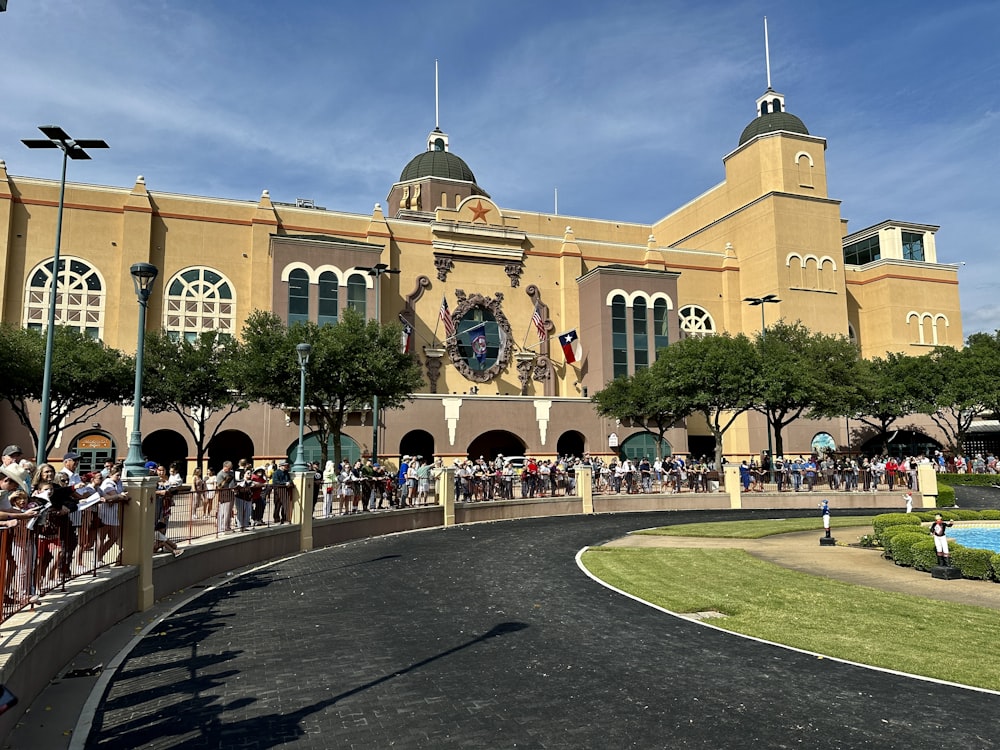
(479, 211)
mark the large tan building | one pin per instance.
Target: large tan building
(498, 386)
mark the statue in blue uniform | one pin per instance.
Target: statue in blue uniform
(825, 506)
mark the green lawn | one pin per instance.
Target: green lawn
(829, 617)
(756, 529)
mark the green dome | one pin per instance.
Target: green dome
(437, 164)
(772, 122)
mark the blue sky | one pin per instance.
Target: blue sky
(626, 107)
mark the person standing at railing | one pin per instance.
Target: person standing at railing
(281, 487)
(329, 488)
(110, 515)
(244, 494)
(258, 495)
(225, 482)
(198, 485)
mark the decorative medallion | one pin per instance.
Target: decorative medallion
(481, 348)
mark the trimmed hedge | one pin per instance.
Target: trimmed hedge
(924, 554)
(974, 563)
(990, 515)
(900, 546)
(886, 520)
(946, 496)
(995, 566)
(969, 480)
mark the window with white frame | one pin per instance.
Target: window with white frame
(695, 321)
(80, 298)
(199, 299)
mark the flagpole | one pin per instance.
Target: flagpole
(436, 324)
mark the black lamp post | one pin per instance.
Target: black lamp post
(143, 276)
(761, 302)
(55, 137)
(302, 352)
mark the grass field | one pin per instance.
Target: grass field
(861, 624)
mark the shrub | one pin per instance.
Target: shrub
(995, 566)
(966, 515)
(969, 480)
(881, 522)
(901, 546)
(974, 563)
(990, 515)
(946, 496)
(924, 554)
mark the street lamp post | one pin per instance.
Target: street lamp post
(55, 137)
(302, 352)
(761, 302)
(143, 276)
(376, 271)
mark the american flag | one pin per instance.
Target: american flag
(536, 318)
(445, 315)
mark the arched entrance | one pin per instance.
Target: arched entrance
(643, 444)
(228, 445)
(493, 443)
(571, 443)
(701, 446)
(165, 447)
(418, 443)
(312, 449)
(902, 443)
(94, 448)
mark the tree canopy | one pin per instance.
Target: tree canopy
(87, 376)
(350, 362)
(641, 399)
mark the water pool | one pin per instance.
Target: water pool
(977, 538)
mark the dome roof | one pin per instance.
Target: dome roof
(437, 164)
(772, 122)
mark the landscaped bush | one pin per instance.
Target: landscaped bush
(974, 563)
(946, 496)
(990, 515)
(995, 566)
(966, 515)
(901, 547)
(886, 520)
(924, 555)
(969, 480)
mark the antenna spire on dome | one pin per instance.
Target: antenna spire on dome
(767, 54)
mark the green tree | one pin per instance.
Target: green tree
(87, 377)
(715, 376)
(956, 384)
(887, 389)
(804, 373)
(350, 363)
(196, 380)
(641, 399)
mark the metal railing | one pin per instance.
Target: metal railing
(195, 514)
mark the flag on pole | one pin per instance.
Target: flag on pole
(536, 318)
(570, 343)
(477, 337)
(444, 314)
(406, 337)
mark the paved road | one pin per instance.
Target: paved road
(488, 636)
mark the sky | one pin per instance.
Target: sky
(626, 108)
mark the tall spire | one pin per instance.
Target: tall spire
(438, 139)
(767, 54)
(770, 100)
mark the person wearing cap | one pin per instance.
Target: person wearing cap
(12, 479)
(281, 483)
(12, 454)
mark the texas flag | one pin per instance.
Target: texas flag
(572, 350)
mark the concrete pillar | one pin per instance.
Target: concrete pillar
(446, 494)
(302, 493)
(137, 535)
(927, 482)
(733, 486)
(585, 488)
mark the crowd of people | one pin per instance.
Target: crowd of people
(833, 473)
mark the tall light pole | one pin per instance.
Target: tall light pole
(376, 271)
(143, 276)
(761, 302)
(55, 137)
(302, 352)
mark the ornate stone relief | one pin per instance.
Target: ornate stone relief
(493, 304)
(444, 266)
(514, 271)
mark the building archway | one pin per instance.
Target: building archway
(228, 445)
(643, 444)
(491, 444)
(312, 449)
(418, 443)
(165, 447)
(571, 443)
(95, 447)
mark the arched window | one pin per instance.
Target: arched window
(619, 337)
(357, 291)
(695, 321)
(640, 337)
(79, 301)
(328, 298)
(643, 445)
(298, 296)
(197, 300)
(661, 331)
